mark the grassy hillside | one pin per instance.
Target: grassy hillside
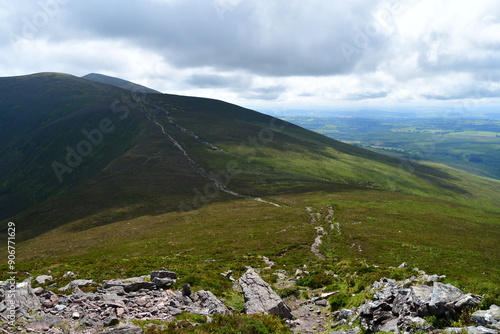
(42, 118)
(255, 155)
(182, 180)
(380, 227)
(270, 150)
(468, 144)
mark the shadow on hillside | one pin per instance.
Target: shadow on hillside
(48, 216)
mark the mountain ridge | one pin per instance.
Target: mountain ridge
(245, 135)
(117, 82)
(109, 183)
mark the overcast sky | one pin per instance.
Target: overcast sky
(268, 54)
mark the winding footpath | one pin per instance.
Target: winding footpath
(192, 163)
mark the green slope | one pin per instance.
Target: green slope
(41, 116)
(273, 153)
(138, 167)
(380, 227)
(145, 196)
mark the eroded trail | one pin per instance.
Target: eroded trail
(190, 133)
(210, 177)
(315, 218)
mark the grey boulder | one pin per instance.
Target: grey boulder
(441, 296)
(23, 297)
(43, 278)
(163, 279)
(488, 318)
(208, 304)
(260, 298)
(163, 274)
(470, 330)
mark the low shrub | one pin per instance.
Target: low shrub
(316, 280)
(237, 323)
(339, 301)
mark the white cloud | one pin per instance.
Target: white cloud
(289, 52)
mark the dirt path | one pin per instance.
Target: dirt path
(315, 217)
(192, 163)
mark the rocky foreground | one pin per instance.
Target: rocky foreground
(396, 306)
(402, 307)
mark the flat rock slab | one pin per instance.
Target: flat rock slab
(131, 284)
(43, 278)
(470, 330)
(23, 296)
(163, 274)
(76, 283)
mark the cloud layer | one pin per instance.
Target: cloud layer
(314, 53)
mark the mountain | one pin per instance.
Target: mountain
(108, 180)
(45, 116)
(117, 82)
(60, 131)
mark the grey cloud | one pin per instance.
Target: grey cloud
(479, 54)
(28, 21)
(478, 91)
(443, 97)
(264, 93)
(275, 38)
(248, 39)
(487, 61)
(366, 96)
(218, 81)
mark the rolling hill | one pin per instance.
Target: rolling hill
(99, 177)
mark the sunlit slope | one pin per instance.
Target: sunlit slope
(272, 153)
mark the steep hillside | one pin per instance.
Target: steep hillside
(46, 121)
(92, 149)
(106, 182)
